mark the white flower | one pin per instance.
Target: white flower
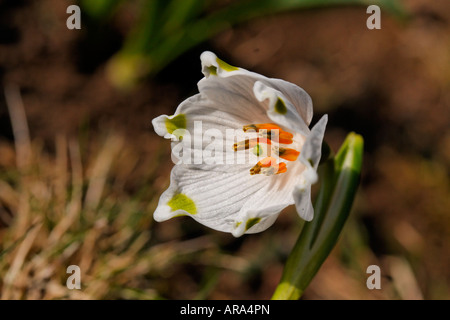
(276, 168)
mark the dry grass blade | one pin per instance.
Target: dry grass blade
(73, 207)
(9, 291)
(62, 215)
(100, 170)
(404, 279)
(19, 124)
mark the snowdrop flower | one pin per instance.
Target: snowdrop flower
(273, 165)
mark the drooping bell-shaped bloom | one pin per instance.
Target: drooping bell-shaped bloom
(243, 150)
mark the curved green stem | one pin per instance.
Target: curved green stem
(339, 178)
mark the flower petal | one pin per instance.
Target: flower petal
(297, 96)
(216, 197)
(256, 221)
(312, 149)
(235, 96)
(280, 109)
(212, 65)
(222, 81)
(209, 135)
(303, 203)
(309, 158)
(226, 197)
(165, 126)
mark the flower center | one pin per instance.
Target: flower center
(269, 138)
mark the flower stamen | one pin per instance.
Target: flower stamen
(250, 143)
(269, 134)
(271, 131)
(288, 154)
(268, 166)
(261, 126)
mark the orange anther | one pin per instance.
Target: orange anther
(271, 131)
(246, 144)
(285, 137)
(250, 143)
(268, 166)
(281, 168)
(267, 162)
(261, 126)
(269, 134)
(288, 154)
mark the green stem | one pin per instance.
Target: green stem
(339, 178)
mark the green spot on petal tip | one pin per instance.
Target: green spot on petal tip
(181, 201)
(251, 222)
(177, 122)
(225, 66)
(280, 107)
(212, 70)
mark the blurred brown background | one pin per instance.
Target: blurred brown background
(389, 85)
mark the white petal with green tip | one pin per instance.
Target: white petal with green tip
(280, 109)
(309, 158)
(238, 81)
(224, 196)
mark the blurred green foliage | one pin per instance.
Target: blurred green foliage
(165, 29)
